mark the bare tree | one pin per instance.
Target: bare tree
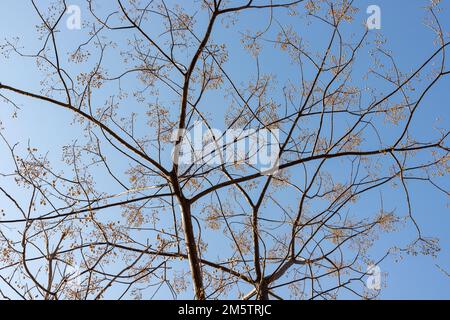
(121, 215)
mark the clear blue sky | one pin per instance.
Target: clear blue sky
(408, 38)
